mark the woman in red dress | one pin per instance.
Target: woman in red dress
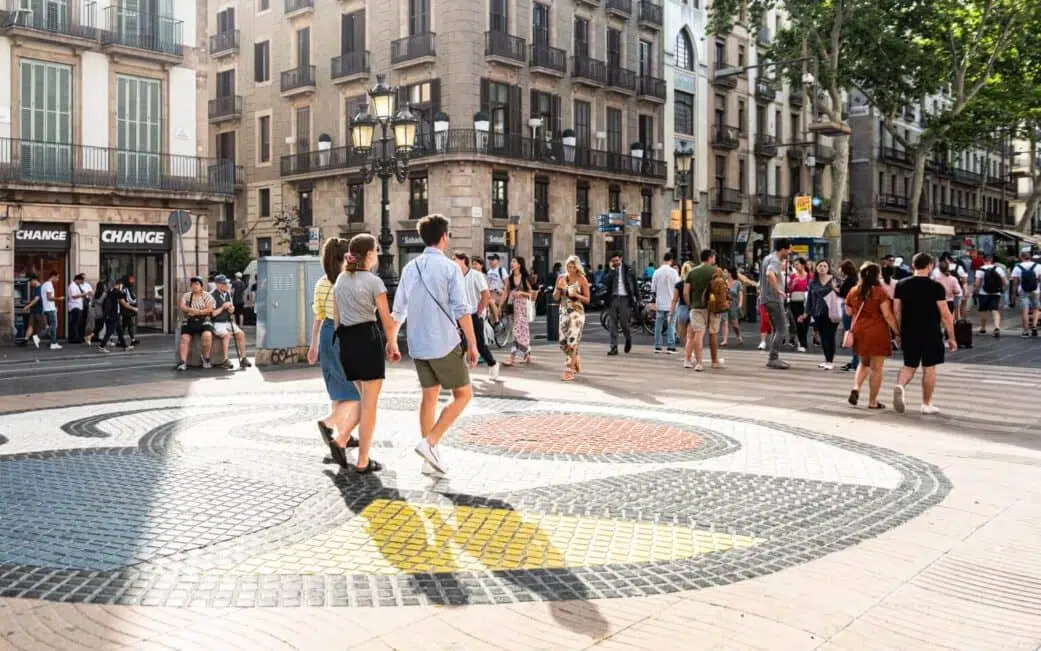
(872, 311)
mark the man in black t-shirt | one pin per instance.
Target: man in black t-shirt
(920, 307)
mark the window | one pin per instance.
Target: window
(303, 47)
(541, 199)
(741, 116)
(46, 107)
(684, 51)
(795, 130)
(139, 111)
(646, 68)
(582, 203)
(303, 129)
(352, 32)
(777, 127)
(305, 208)
(540, 24)
(760, 120)
(264, 138)
(498, 21)
(614, 130)
(742, 175)
(646, 133)
(581, 37)
(500, 196)
(226, 20)
(721, 171)
(417, 197)
(264, 202)
(261, 62)
(741, 56)
(263, 247)
(355, 203)
(418, 17)
(645, 208)
(582, 124)
(496, 101)
(614, 199)
(264, 5)
(683, 112)
(424, 100)
(721, 54)
(721, 110)
(547, 107)
(225, 146)
(614, 48)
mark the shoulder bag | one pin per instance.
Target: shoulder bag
(847, 337)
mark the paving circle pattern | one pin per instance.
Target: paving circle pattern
(183, 502)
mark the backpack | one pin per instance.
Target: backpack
(110, 304)
(1028, 278)
(992, 283)
(717, 295)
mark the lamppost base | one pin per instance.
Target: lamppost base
(388, 275)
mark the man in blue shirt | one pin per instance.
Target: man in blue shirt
(432, 297)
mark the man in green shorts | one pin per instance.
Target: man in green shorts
(695, 287)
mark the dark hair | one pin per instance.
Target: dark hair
(459, 255)
(332, 257)
(732, 271)
(79, 277)
(191, 281)
(478, 259)
(668, 256)
(781, 244)
(616, 255)
(525, 284)
(816, 273)
(887, 273)
(432, 228)
(921, 261)
(33, 277)
(945, 267)
(494, 256)
(869, 277)
(801, 260)
(358, 248)
(52, 274)
(848, 269)
(706, 254)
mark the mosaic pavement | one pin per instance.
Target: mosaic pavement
(182, 502)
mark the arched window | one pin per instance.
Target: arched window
(684, 51)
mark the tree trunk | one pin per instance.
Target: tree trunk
(921, 153)
(839, 180)
(1024, 223)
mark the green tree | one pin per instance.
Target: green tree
(234, 257)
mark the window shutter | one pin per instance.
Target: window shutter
(484, 96)
(435, 97)
(258, 61)
(533, 102)
(359, 31)
(346, 33)
(555, 117)
(516, 107)
(403, 97)
(231, 18)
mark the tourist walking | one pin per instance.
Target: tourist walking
(361, 298)
(478, 298)
(520, 293)
(921, 310)
(798, 285)
(680, 308)
(873, 321)
(991, 280)
(732, 318)
(848, 277)
(772, 295)
(823, 307)
(80, 293)
(50, 300)
(336, 426)
(622, 296)
(1026, 284)
(36, 323)
(952, 285)
(572, 290)
(704, 317)
(663, 282)
(430, 295)
(128, 313)
(97, 312)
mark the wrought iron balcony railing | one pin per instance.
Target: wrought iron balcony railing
(349, 64)
(224, 43)
(75, 19)
(297, 78)
(141, 31)
(650, 87)
(589, 69)
(651, 14)
(505, 46)
(413, 47)
(548, 58)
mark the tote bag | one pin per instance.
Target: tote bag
(834, 304)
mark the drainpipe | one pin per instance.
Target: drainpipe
(198, 220)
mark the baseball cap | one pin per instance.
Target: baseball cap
(220, 279)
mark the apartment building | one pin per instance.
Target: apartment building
(98, 144)
(1026, 164)
(548, 113)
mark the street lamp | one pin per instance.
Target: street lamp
(390, 159)
(684, 155)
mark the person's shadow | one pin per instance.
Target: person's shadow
(417, 541)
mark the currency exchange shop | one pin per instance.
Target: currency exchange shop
(40, 248)
(142, 252)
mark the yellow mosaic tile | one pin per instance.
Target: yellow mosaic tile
(395, 537)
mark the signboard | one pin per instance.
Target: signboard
(583, 241)
(410, 239)
(179, 221)
(804, 208)
(541, 240)
(634, 221)
(610, 222)
(38, 236)
(136, 238)
(801, 250)
(495, 237)
(314, 239)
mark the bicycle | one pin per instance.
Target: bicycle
(641, 319)
(499, 332)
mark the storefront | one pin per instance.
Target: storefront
(541, 250)
(646, 253)
(863, 244)
(40, 248)
(495, 243)
(410, 247)
(144, 253)
(721, 240)
(583, 249)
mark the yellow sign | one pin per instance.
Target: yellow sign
(511, 235)
(801, 250)
(676, 216)
(803, 203)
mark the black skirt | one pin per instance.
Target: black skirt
(362, 352)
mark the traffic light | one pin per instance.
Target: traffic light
(511, 235)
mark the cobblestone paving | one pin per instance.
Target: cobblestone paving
(180, 502)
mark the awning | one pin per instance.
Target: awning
(936, 229)
(806, 231)
(1022, 237)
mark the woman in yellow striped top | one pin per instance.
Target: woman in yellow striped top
(344, 413)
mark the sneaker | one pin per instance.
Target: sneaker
(102, 349)
(227, 365)
(983, 331)
(657, 351)
(1025, 334)
(206, 363)
(36, 340)
(997, 333)
(802, 349)
(671, 351)
(827, 366)
(429, 469)
(688, 364)
(244, 363)
(493, 373)
(699, 367)
(628, 346)
(720, 363)
(847, 367)
(55, 347)
(1033, 333)
(898, 399)
(428, 454)
(779, 364)
(183, 366)
(762, 345)
(130, 348)
(929, 410)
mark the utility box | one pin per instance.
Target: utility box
(285, 286)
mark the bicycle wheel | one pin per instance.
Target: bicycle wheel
(645, 321)
(603, 320)
(504, 332)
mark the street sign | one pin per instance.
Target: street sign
(607, 224)
(803, 207)
(314, 239)
(179, 221)
(634, 221)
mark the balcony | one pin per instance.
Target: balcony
(157, 38)
(795, 97)
(894, 155)
(60, 23)
(589, 71)
(765, 145)
(968, 214)
(413, 50)
(726, 200)
(893, 202)
(763, 38)
(729, 81)
(296, 8)
(621, 8)
(224, 44)
(225, 230)
(297, 81)
(548, 60)
(794, 153)
(966, 177)
(467, 144)
(349, 66)
(50, 167)
(767, 205)
(505, 48)
(824, 154)
(650, 88)
(621, 79)
(225, 109)
(724, 137)
(766, 89)
(997, 180)
(651, 15)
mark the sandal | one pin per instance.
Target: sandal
(854, 396)
(878, 406)
(335, 451)
(578, 364)
(373, 466)
(568, 376)
(508, 361)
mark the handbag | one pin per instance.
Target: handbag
(847, 337)
(531, 310)
(834, 304)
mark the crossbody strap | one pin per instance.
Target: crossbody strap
(423, 282)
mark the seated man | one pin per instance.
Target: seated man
(197, 307)
(224, 326)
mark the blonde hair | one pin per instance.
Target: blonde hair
(687, 266)
(577, 262)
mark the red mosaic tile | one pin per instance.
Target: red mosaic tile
(575, 434)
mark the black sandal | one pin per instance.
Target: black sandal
(374, 466)
(878, 406)
(854, 397)
(335, 451)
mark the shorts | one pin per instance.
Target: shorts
(362, 352)
(224, 328)
(682, 315)
(196, 327)
(1029, 301)
(702, 321)
(448, 372)
(990, 302)
(923, 353)
(38, 323)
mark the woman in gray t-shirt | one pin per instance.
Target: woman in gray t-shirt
(360, 297)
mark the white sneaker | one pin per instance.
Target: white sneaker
(929, 410)
(802, 349)
(688, 364)
(898, 399)
(36, 340)
(493, 373)
(762, 345)
(55, 347)
(699, 367)
(827, 366)
(129, 348)
(207, 364)
(722, 363)
(428, 454)
(429, 469)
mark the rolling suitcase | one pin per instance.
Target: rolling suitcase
(963, 333)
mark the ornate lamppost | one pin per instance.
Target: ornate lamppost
(683, 155)
(389, 159)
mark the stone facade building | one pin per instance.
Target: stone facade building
(569, 91)
(98, 144)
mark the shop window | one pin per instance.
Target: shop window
(646, 201)
(356, 203)
(417, 198)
